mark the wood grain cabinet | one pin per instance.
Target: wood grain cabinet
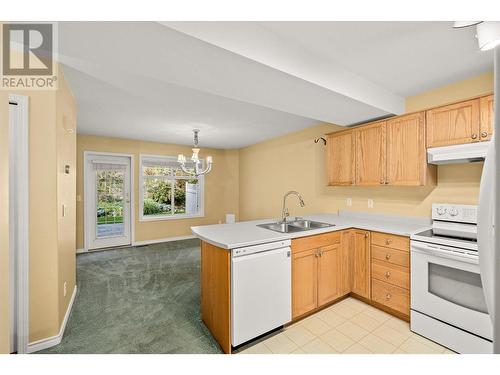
(406, 153)
(316, 272)
(453, 124)
(486, 117)
(360, 254)
(390, 272)
(341, 158)
(371, 154)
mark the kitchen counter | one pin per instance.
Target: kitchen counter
(247, 233)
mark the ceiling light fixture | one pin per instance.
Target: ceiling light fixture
(487, 32)
(488, 35)
(462, 24)
(181, 159)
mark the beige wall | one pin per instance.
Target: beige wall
(221, 185)
(295, 162)
(475, 86)
(66, 195)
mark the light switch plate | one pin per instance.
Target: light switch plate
(349, 202)
(370, 203)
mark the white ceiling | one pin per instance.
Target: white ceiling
(245, 82)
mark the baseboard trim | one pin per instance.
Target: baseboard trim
(79, 251)
(49, 342)
(168, 239)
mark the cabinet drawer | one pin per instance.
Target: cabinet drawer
(391, 240)
(391, 296)
(312, 242)
(392, 274)
(393, 256)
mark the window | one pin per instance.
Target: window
(166, 192)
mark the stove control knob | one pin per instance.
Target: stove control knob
(441, 211)
(453, 211)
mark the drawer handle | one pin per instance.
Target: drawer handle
(474, 136)
(388, 296)
(388, 241)
(387, 274)
(484, 134)
(387, 256)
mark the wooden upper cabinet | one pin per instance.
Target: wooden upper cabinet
(486, 120)
(329, 273)
(453, 124)
(361, 263)
(340, 154)
(371, 154)
(304, 282)
(406, 152)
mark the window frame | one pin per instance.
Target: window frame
(173, 216)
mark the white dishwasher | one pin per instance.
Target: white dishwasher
(261, 289)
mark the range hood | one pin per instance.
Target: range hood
(467, 153)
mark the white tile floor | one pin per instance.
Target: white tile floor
(351, 327)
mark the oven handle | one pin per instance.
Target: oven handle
(429, 249)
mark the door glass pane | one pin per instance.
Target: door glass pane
(457, 286)
(109, 205)
(157, 197)
(186, 197)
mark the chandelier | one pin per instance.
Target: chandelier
(181, 159)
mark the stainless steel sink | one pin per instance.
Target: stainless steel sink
(295, 226)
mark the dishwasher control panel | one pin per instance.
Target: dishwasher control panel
(242, 251)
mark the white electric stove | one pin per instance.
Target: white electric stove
(447, 299)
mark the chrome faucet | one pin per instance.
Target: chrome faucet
(284, 212)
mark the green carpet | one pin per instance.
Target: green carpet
(138, 300)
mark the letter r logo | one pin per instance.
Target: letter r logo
(27, 49)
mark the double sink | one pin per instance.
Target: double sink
(299, 225)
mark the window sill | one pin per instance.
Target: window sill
(170, 217)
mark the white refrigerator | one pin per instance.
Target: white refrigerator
(488, 214)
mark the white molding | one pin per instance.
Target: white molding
(49, 342)
(82, 250)
(19, 146)
(167, 239)
(86, 155)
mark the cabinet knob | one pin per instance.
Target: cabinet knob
(366, 235)
(388, 296)
(388, 241)
(381, 182)
(474, 136)
(387, 256)
(484, 134)
(387, 274)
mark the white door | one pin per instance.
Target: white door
(107, 197)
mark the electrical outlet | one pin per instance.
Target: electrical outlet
(370, 203)
(349, 202)
(64, 289)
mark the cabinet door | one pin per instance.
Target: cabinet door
(361, 263)
(370, 154)
(406, 153)
(453, 124)
(340, 162)
(304, 282)
(347, 244)
(486, 107)
(329, 268)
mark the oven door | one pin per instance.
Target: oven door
(446, 286)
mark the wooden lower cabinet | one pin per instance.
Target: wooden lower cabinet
(360, 254)
(316, 272)
(329, 272)
(304, 282)
(391, 296)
